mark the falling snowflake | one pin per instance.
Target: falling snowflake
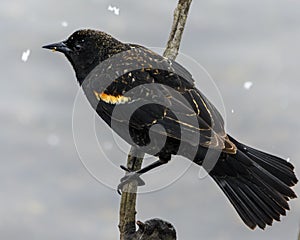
(53, 140)
(114, 9)
(232, 111)
(248, 85)
(64, 24)
(25, 55)
(288, 159)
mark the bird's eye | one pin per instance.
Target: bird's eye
(77, 47)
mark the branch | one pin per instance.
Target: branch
(128, 199)
(154, 228)
(179, 20)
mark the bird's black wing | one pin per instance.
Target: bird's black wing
(155, 90)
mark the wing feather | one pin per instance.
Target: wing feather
(165, 83)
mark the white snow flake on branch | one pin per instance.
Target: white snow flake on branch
(248, 85)
(25, 55)
(115, 10)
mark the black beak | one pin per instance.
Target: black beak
(60, 47)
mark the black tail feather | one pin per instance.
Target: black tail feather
(256, 183)
(278, 167)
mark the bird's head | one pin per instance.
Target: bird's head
(85, 49)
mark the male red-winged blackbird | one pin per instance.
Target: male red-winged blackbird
(134, 89)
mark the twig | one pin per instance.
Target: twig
(127, 221)
(128, 199)
(179, 20)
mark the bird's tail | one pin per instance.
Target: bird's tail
(257, 184)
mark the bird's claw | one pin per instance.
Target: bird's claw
(129, 177)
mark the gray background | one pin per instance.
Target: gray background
(46, 193)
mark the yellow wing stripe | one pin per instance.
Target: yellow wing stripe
(111, 99)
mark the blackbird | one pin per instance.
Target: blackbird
(152, 103)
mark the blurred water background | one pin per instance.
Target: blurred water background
(46, 193)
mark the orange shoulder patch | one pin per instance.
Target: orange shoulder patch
(111, 99)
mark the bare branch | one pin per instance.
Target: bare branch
(179, 20)
(128, 199)
(159, 229)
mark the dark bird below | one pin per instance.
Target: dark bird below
(133, 90)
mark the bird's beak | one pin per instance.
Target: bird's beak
(59, 47)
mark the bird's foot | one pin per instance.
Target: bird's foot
(130, 176)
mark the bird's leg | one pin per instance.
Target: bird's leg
(135, 176)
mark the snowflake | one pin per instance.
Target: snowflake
(248, 85)
(114, 9)
(64, 23)
(53, 140)
(25, 55)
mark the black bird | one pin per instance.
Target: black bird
(134, 89)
